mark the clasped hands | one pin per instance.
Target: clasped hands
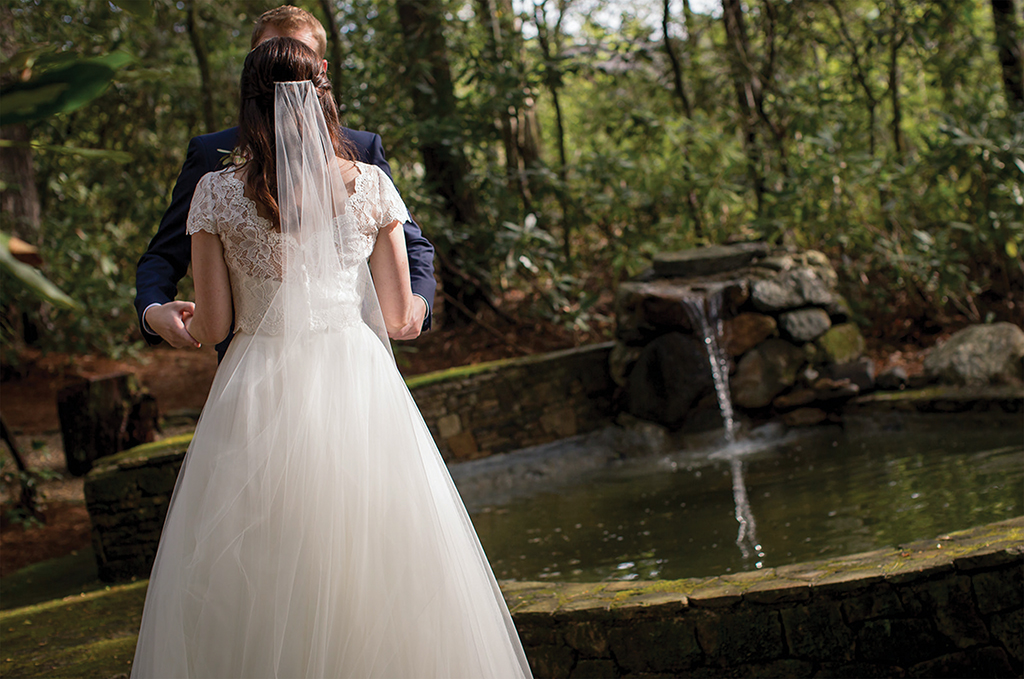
(170, 321)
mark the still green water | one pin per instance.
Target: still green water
(833, 492)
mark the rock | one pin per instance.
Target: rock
(893, 379)
(621, 360)
(791, 289)
(795, 398)
(804, 325)
(861, 372)
(841, 344)
(808, 375)
(778, 262)
(747, 330)
(830, 390)
(764, 372)
(839, 309)
(979, 355)
(707, 260)
(669, 377)
(644, 310)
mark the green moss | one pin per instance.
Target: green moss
(460, 372)
(842, 343)
(53, 579)
(174, 444)
(92, 634)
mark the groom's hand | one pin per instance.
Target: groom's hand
(411, 330)
(168, 321)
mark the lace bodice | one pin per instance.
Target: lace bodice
(253, 246)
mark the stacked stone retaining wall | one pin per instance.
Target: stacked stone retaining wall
(949, 607)
(507, 405)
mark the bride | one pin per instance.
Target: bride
(314, 530)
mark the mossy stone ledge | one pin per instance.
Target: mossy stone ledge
(947, 607)
(127, 496)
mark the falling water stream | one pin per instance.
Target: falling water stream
(705, 313)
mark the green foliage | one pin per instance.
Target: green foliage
(922, 230)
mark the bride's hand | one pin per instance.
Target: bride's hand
(414, 325)
(169, 321)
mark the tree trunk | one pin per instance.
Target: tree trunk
(549, 40)
(1011, 53)
(102, 416)
(434, 105)
(895, 42)
(502, 54)
(692, 201)
(677, 69)
(859, 74)
(203, 61)
(19, 200)
(28, 500)
(334, 44)
(440, 143)
(738, 48)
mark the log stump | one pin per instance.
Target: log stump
(101, 416)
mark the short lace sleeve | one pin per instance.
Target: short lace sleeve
(391, 205)
(200, 213)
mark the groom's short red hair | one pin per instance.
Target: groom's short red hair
(290, 20)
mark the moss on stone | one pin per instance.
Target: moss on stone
(171, 445)
(842, 343)
(92, 634)
(460, 372)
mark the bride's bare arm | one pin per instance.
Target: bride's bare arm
(390, 266)
(212, 319)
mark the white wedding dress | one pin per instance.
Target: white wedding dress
(314, 530)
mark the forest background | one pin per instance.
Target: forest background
(550, 147)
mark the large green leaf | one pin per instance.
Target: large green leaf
(100, 154)
(59, 90)
(33, 280)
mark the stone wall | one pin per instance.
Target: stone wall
(127, 496)
(516, 403)
(948, 607)
(472, 412)
(786, 333)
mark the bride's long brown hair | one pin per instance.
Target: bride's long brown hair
(277, 60)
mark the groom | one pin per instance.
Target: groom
(167, 259)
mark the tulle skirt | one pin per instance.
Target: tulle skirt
(315, 532)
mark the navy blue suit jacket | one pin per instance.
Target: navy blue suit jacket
(167, 258)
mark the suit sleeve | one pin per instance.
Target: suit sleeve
(421, 252)
(166, 260)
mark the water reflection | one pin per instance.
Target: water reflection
(828, 493)
(746, 538)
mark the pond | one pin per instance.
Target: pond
(827, 491)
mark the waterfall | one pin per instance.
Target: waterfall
(705, 312)
(706, 315)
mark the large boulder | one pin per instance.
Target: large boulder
(979, 355)
(669, 377)
(764, 372)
